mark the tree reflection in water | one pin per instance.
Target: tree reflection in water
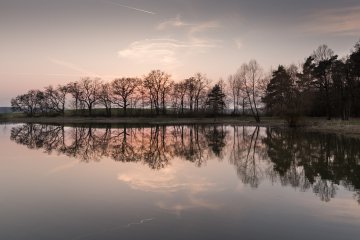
(303, 160)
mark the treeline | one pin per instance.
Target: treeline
(323, 85)
(156, 92)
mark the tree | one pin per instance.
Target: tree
(200, 84)
(106, 97)
(234, 90)
(253, 85)
(179, 92)
(90, 89)
(75, 91)
(353, 79)
(158, 85)
(191, 91)
(123, 89)
(324, 59)
(55, 99)
(282, 96)
(216, 100)
(29, 103)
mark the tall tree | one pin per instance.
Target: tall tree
(158, 85)
(29, 103)
(283, 96)
(90, 89)
(353, 78)
(179, 92)
(106, 97)
(56, 99)
(201, 83)
(75, 91)
(253, 85)
(123, 89)
(324, 59)
(216, 100)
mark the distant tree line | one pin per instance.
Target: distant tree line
(156, 92)
(322, 86)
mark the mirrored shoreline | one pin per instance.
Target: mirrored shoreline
(306, 161)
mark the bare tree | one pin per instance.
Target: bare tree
(158, 85)
(106, 97)
(123, 89)
(76, 92)
(29, 103)
(201, 84)
(55, 99)
(179, 93)
(90, 89)
(322, 53)
(253, 84)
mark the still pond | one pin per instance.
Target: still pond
(177, 182)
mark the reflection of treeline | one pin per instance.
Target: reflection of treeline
(154, 146)
(303, 160)
(326, 159)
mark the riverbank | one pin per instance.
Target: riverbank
(144, 120)
(348, 128)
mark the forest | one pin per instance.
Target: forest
(324, 85)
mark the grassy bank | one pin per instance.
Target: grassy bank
(351, 127)
(169, 120)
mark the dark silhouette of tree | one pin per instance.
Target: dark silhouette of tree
(75, 91)
(55, 99)
(90, 89)
(158, 85)
(353, 78)
(178, 96)
(283, 96)
(106, 97)
(29, 103)
(216, 100)
(253, 85)
(324, 59)
(200, 84)
(123, 89)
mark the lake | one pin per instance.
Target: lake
(177, 182)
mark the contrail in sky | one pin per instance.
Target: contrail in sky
(132, 8)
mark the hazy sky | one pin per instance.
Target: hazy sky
(54, 41)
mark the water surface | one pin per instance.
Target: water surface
(177, 182)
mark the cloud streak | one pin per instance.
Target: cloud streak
(198, 27)
(342, 21)
(172, 52)
(173, 22)
(132, 8)
(165, 51)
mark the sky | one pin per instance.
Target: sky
(50, 42)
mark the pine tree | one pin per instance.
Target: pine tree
(216, 100)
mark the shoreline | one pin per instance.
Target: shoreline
(145, 120)
(347, 128)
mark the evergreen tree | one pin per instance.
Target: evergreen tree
(216, 100)
(283, 97)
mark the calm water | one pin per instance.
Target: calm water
(177, 182)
